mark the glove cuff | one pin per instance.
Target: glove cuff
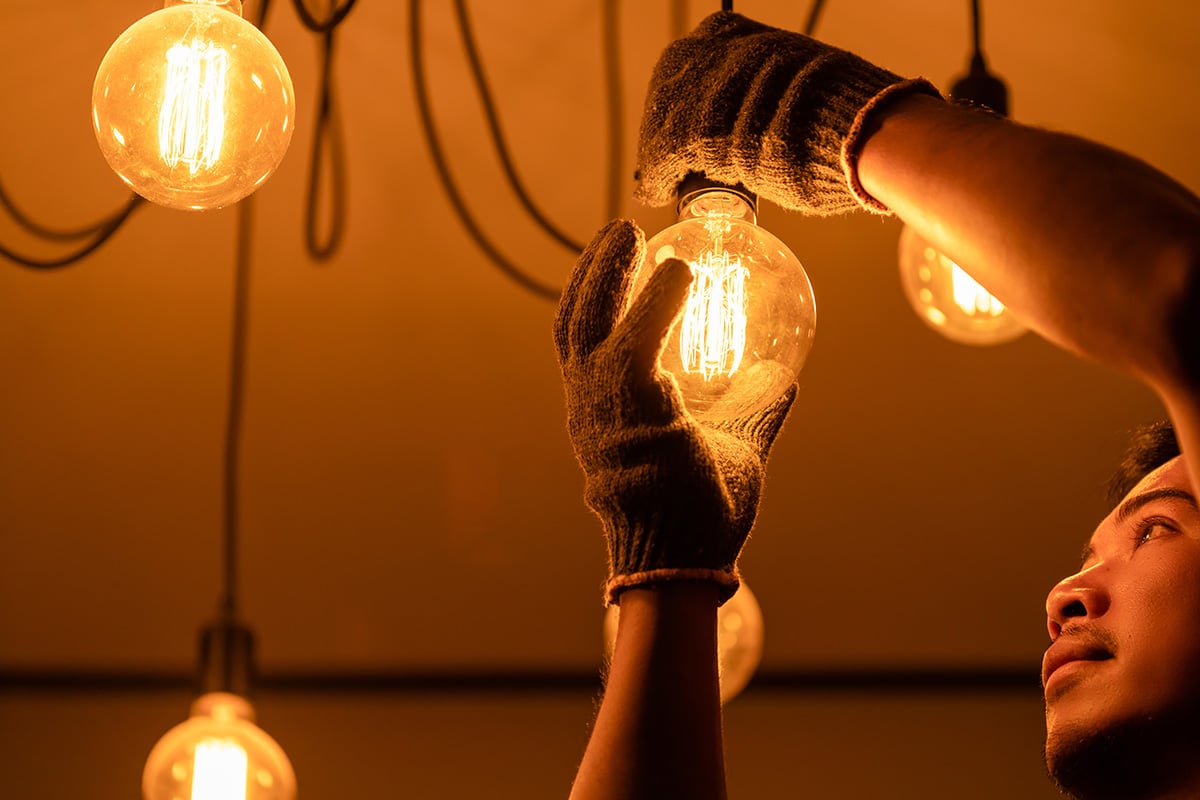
(853, 141)
(727, 580)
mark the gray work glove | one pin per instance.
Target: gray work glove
(776, 111)
(676, 497)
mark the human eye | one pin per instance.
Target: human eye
(1151, 528)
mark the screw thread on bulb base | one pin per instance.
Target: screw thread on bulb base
(695, 183)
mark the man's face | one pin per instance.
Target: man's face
(1123, 667)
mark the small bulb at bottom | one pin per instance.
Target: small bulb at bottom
(218, 754)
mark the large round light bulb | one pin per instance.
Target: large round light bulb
(739, 640)
(949, 300)
(749, 320)
(193, 106)
(218, 754)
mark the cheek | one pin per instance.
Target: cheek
(1161, 636)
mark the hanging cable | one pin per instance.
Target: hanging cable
(727, 5)
(978, 51)
(611, 32)
(336, 16)
(52, 234)
(327, 141)
(102, 234)
(233, 420)
(814, 15)
(497, 135)
(421, 91)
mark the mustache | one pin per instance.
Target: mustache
(1100, 638)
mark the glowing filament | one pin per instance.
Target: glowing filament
(712, 334)
(970, 296)
(220, 771)
(191, 125)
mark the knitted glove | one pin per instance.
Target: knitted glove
(676, 497)
(773, 110)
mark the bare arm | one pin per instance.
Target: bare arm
(658, 733)
(1095, 250)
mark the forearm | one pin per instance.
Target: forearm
(658, 733)
(1093, 249)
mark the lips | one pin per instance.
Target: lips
(1067, 650)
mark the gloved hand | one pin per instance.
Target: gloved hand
(776, 111)
(676, 497)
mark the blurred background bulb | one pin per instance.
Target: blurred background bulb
(193, 106)
(739, 640)
(948, 299)
(944, 296)
(218, 754)
(749, 319)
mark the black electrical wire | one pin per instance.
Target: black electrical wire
(727, 5)
(233, 420)
(611, 32)
(497, 134)
(978, 51)
(336, 16)
(102, 234)
(421, 91)
(814, 15)
(50, 234)
(327, 141)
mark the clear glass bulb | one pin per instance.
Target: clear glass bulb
(948, 299)
(193, 106)
(750, 316)
(739, 640)
(218, 754)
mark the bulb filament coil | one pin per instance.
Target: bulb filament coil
(191, 125)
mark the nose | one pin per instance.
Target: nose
(1080, 597)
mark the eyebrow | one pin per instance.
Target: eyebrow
(1128, 508)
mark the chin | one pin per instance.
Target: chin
(1135, 759)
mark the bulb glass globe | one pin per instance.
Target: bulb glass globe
(750, 316)
(218, 754)
(739, 640)
(948, 299)
(193, 106)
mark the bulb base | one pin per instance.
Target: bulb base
(695, 183)
(226, 659)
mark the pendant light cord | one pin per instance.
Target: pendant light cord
(814, 16)
(234, 411)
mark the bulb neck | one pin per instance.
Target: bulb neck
(232, 6)
(700, 197)
(226, 659)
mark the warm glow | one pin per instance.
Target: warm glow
(970, 296)
(712, 332)
(191, 125)
(220, 771)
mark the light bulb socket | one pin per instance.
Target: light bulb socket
(981, 88)
(695, 183)
(226, 659)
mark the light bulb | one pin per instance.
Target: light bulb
(218, 754)
(739, 640)
(193, 106)
(948, 299)
(748, 322)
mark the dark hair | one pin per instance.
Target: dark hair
(1149, 448)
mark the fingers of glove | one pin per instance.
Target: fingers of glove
(765, 426)
(598, 289)
(639, 337)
